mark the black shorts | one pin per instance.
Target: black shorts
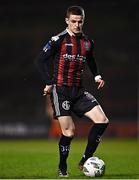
(71, 99)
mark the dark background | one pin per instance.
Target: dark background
(25, 26)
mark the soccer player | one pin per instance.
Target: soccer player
(71, 49)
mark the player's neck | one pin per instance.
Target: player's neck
(73, 34)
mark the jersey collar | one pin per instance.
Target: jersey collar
(70, 33)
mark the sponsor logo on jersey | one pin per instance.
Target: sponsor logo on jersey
(74, 57)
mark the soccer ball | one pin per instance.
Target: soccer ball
(94, 167)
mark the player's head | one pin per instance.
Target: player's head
(75, 10)
(75, 18)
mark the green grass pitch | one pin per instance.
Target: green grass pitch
(37, 159)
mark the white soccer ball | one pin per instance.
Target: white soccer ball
(94, 167)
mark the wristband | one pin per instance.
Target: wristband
(98, 77)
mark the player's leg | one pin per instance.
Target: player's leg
(67, 128)
(100, 120)
(62, 110)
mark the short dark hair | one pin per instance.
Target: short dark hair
(75, 10)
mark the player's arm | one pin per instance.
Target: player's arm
(42, 59)
(94, 68)
(41, 62)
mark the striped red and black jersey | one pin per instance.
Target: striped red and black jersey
(70, 54)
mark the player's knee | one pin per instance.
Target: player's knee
(101, 119)
(104, 119)
(69, 132)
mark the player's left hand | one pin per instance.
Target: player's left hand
(101, 83)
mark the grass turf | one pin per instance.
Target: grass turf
(37, 159)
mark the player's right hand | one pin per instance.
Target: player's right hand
(47, 90)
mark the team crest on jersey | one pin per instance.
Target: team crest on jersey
(66, 105)
(86, 45)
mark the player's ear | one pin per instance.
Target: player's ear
(67, 20)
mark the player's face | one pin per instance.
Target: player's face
(75, 23)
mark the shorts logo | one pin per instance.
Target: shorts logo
(89, 96)
(66, 105)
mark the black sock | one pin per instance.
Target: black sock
(64, 147)
(93, 140)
